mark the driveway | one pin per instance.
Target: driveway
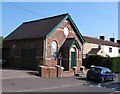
(10, 73)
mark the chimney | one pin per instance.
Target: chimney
(118, 41)
(102, 37)
(112, 39)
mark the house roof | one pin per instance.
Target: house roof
(69, 42)
(35, 29)
(100, 41)
(94, 51)
(41, 28)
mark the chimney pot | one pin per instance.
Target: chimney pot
(112, 39)
(102, 37)
(118, 41)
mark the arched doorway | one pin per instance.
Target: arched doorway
(73, 57)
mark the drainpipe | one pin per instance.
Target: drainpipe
(60, 68)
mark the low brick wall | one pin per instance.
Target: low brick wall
(43, 71)
(52, 72)
(68, 73)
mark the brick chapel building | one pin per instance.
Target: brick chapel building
(40, 42)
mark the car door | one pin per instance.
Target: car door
(108, 75)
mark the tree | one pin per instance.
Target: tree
(1, 38)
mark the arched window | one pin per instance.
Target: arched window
(54, 47)
(13, 50)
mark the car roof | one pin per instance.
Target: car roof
(100, 67)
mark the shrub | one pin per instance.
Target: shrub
(97, 60)
(116, 64)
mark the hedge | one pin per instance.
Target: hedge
(115, 64)
(97, 60)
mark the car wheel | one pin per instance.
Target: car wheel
(105, 79)
(113, 78)
(102, 79)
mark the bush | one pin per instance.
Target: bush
(116, 64)
(96, 60)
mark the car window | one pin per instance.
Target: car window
(96, 70)
(106, 71)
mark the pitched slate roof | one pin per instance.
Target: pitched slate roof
(100, 41)
(69, 42)
(36, 29)
(94, 51)
(42, 28)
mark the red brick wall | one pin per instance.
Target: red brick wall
(38, 44)
(22, 44)
(60, 38)
(53, 72)
(43, 72)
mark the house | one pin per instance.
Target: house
(36, 42)
(94, 46)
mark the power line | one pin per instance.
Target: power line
(100, 12)
(93, 13)
(25, 9)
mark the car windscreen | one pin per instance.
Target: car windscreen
(106, 70)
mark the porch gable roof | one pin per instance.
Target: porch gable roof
(69, 42)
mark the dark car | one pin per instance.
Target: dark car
(3, 63)
(100, 74)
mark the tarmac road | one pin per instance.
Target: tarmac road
(71, 84)
(26, 81)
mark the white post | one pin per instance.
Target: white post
(60, 68)
(60, 56)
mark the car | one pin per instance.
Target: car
(100, 74)
(3, 63)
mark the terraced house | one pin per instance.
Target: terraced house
(94, 46)
(42, 40)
